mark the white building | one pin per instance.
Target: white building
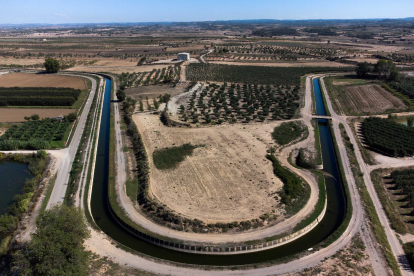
(183, 56)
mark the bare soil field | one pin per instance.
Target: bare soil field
(18, 114)
(286, 64)
(369, 60)
(371, 98)
(40, 80)
(225, 180)
(153, 91)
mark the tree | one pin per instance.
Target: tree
(121, 95)
(410, 121)
(386, 69)
(34, 117)
(57, 247)
(8, 224)
(362, 69)
(71, 117)
(51, 65)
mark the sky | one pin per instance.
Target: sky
(105, 11)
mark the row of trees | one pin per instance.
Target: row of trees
(39, 92)
(404, 180)
(36, 101)
(254, 74)
(387, 136)
(384, 69)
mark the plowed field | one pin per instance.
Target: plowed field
(40, 80)
(370, 98)
(18, 114)
(226, 180)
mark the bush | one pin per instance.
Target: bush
(169, 158)
(286, 133)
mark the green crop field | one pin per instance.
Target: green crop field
(33, 135)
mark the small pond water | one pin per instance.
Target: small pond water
(13, 175)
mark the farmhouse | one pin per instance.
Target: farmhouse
(183, 56)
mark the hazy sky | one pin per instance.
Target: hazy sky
(93, 11)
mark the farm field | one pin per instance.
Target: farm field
(39, 134)
(41, 80)
(371, 99)
(18, 114)
(254, 74)
(285, 64)
(226, 179)
(233, 103)
(361, 97)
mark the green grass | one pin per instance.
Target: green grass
(317, 142)
(169, 158)
(286, 133)
(132, 189)
(319, 205)
(125, 149)
(48, 193)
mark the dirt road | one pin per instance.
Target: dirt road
(67, 155)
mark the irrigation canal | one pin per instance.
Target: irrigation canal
(333, 218)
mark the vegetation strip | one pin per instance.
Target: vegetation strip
(392, 212)
(74, 174)
(9, 222)
(369, 207)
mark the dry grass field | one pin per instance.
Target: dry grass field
(40, 80)
(371, 98)
(226, 180)
(117, 69)
(21, 61)
(153, 91)
(18, 114)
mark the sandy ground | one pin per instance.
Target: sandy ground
(117, 69)
(226, 180)
(18, 114)
(286, 64)
(351, 260)
(2, 131)
(40, 80)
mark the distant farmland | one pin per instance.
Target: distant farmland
(41, 80)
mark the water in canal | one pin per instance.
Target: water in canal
(99, 204)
